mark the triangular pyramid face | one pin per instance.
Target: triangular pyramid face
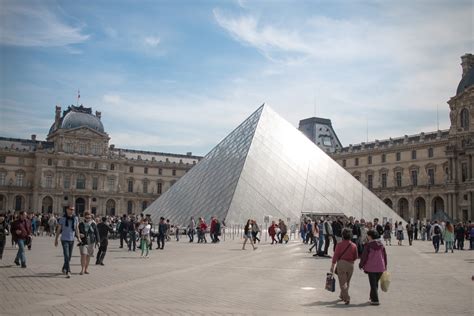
(266, 167)
(207, 189)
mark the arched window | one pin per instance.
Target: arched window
(81, 182)
(112, 166)
(465, 118)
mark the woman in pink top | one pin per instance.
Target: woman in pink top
(374, 263)
(344, 256)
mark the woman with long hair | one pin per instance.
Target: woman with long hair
(374, 262)
(448, 236)
(248, 234)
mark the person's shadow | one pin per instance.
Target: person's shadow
(335, 304)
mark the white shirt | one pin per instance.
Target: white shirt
(145, 229)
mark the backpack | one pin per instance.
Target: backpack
(437, 231)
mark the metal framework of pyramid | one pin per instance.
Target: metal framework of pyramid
(266, 167)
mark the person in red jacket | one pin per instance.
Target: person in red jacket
(21, 232)
(344, 257)
(272, 232)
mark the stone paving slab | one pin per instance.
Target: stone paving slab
(221, 279)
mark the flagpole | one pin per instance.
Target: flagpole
(78, 97)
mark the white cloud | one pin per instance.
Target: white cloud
(27, 24)
(152, 41)
(112, 98)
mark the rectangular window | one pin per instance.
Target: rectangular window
(431, 177)
(159, 188)
(430, 153)
(130, 169)
(95, 183)
(145, 186)
(464, 172)
(344, 163)
(399, 179)
(3, 178)
(356, 162)
(111, 184)
(399, 156)
(67, 182)
(3, 159)
(20, 178)
(82, 148)
(384, 180)
(145, 170)
(95, 149)
(370, 181)
(369, 160)
(130, 185)
(81, 182)
(413, 154)
(384, 158)
(414, 177)
(49, 182)
(160, 171)
(68, 147)
(174, 172)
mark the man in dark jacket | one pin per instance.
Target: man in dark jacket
(162, 229)
(123, 230)
(104, 229)
(21, 232)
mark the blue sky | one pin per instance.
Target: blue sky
(178, 76)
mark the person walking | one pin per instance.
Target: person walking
(410, 231)
(343, 259)
(144, 230)
(68, 228)
(272, 232)
(89, 238)
(387, 234)
(436, 232)
(162, 233)
(400, 236)
(3, 234)
(191, 229)
(21, 232)
(52, 222)
(374, 262)
(448, 236)
(283, 232)
(123, 230)
(248, 235)
(460, 233)
(132, 234)
(327, 231)
(255, 231)
(104, 229)
(217, 231)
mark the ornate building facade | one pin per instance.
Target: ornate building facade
(76, 166)
(428, 175)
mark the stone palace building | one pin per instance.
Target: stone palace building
(428, 175)
(76, 166)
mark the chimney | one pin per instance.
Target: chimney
(33, 137)
(98, 114)
(467, 62)
(57, 117)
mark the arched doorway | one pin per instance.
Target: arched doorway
(110, 208)
(438, 205)
(80, 206)
(388, 202)
(47, 204)
(420, 208)
(19, 201)
(403, 208)
(3, 203)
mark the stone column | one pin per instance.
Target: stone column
(471, 213)
(471, 167)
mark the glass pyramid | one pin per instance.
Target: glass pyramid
(266, 167)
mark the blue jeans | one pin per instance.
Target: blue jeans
(20, 256)
(68, 246)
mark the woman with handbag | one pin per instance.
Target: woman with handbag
(343, 259)
(374, 263)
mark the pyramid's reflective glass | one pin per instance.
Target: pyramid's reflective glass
(266, 167)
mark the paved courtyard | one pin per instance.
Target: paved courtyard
(221, 279)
